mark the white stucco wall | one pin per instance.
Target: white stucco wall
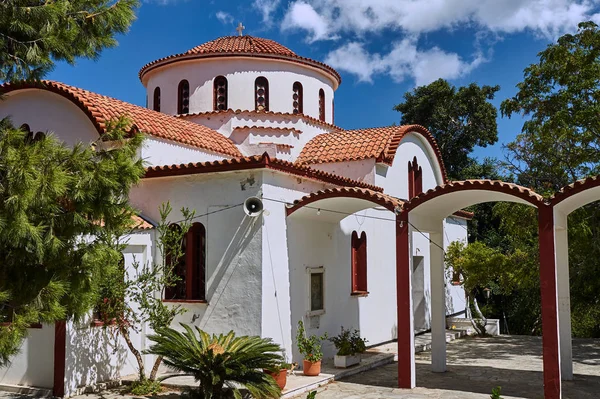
(34, 365)
(96, 354)
(241, 74)
(233, 245)
(248, 140)
(395, 181)
(159, 152)
(48, 112)
(277, 321)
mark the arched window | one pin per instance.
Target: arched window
(220, 93)
(190, 268)
(359, 263)
(261, 94)
(415, 178)
(183, 97)
(156, 99)
(297, 98)
(322, 105)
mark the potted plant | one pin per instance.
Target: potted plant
(349, 346)
(280, 376)
(310, 348)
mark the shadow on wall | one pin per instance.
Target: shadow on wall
(226, 288)
(94, 354)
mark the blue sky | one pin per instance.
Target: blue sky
(382, 48)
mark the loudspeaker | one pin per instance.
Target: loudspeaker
(253, 206)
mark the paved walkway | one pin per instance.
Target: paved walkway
(475, 366)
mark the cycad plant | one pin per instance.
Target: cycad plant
(221, 363)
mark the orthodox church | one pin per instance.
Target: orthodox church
(232, 119)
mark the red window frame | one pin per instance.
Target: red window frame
(322, 105)
(359, 263)
(183, 97)
(193, 265)
(415, 178)
(156, 99)
(297, 98)
(220, 98)
(261, 83)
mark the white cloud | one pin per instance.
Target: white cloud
(303, 16)
(403, 62)
(326, 18)
(224, 17)
(266, 8)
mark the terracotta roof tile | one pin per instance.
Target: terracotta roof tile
(380, 143)
(100, 109)
(515, 190)
(574, 188)
(241, 46)
(255, 162)
(387, 201)
(269, 128)
(139, 223)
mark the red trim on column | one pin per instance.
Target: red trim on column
(405, 363)
(550, 337)
(60, 353)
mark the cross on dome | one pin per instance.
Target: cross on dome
(240, 29)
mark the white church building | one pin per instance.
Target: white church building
(235, 118)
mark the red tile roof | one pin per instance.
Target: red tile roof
(387, 201)
(100, 109)
(139, 223)
(269, 129)
(248, 46)
(308, 119)
(380, 143)
(255, 162)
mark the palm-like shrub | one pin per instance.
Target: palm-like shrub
(221, 363)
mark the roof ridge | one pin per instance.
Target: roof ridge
(256, 162)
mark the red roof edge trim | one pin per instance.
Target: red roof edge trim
(255, 162)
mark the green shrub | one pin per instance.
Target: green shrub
(145, 387)
(309, 347)
(496, 393)
(221, 363)
(349, 343)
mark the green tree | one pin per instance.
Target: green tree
(34, 34)
(62, 212)
(459, 119)
(221, 362)
(560, 143)
(560, 96)
(130, 300)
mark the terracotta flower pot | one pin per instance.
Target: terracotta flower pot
(280, 378)
(311, 368)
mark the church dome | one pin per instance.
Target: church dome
(243, 46)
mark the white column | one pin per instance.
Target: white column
(564, 295)
(438, 301)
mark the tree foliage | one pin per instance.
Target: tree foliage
(132, 298)
(221, 363)
(34, 34)
(560, 96)
(459, 119)
(62, 212)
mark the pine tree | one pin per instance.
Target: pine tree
(62, 213)
(36, 33)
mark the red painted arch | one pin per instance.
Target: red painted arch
(386, 201)
(396, 139)
(575, 188)
(498, 186)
